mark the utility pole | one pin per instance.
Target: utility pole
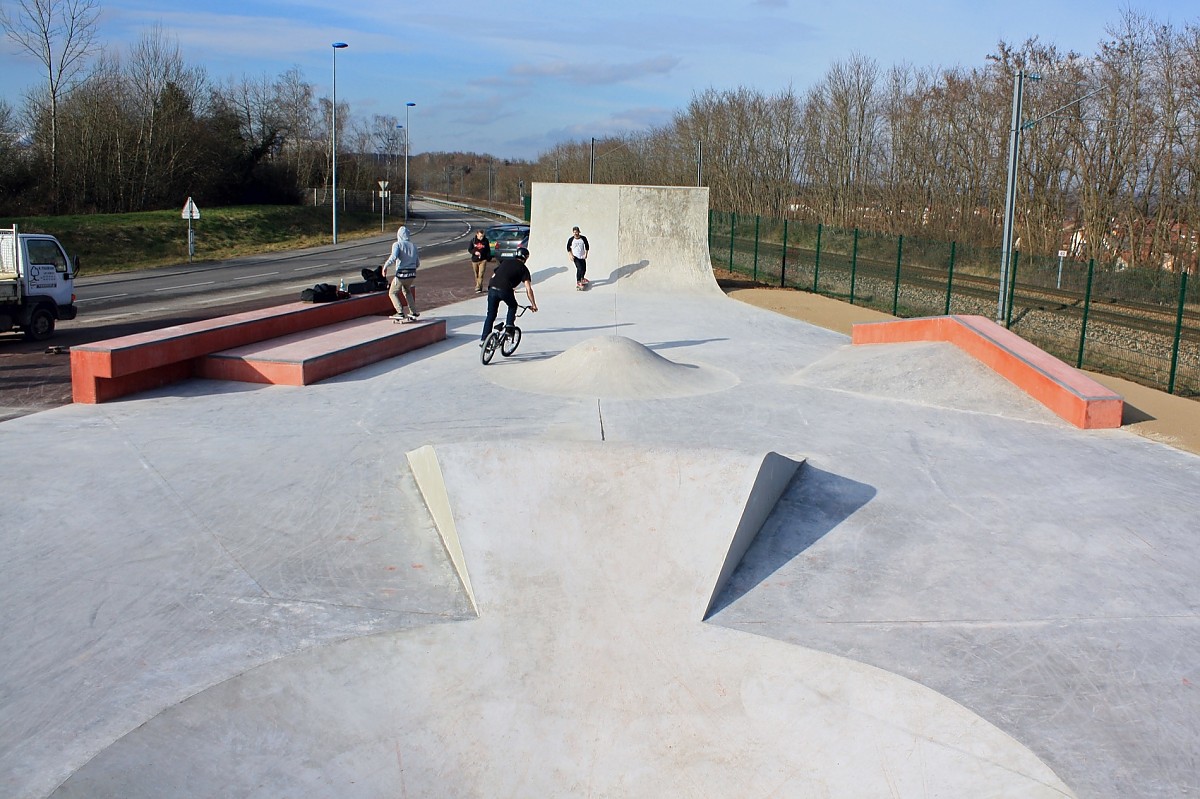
(1010, 193)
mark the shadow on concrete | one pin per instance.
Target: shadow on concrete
(816, 502)
(1131, 414)
(544, 355)
(667, 345)
(542, 275)
(620, 272)
(521, 356)
(629, 269)
(581, 328)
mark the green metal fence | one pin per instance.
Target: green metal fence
(1137, 323)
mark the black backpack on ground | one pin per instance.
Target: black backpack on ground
(322, 292)
(374, 279)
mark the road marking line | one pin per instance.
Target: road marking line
(304, 268)
(251, 277)
(105, 297)
(224, 297)
(187, 286)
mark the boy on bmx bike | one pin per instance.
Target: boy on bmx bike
(502, 287)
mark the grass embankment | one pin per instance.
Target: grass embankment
(108, 243)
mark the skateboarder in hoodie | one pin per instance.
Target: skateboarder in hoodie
(406, 258)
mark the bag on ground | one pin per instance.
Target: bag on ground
(322, 292)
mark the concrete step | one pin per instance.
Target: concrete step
(303, 358)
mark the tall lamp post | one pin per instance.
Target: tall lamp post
(1010, 192)
(333, 134)
(405, 200)
(1003, 303)
(407, 137)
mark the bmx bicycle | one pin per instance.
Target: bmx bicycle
(505, 340)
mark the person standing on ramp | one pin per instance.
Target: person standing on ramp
(577, 246)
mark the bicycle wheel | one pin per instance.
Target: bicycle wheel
(489, 348)
(509, 344)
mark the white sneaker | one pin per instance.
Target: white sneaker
(397, 316)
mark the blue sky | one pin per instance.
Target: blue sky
(514, 78)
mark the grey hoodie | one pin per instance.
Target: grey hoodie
(404, 256)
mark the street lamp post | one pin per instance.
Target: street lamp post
(401, 127)
(407, 138)
(333, 135)
(1003, 304)
(1010, 193)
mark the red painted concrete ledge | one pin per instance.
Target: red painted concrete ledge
(116, 367)
(1063, 389)
(302, 359)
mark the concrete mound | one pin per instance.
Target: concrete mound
(614, 367)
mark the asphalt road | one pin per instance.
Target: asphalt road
(36, 376)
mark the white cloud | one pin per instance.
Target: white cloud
(597, 74)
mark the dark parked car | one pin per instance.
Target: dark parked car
(506, 239)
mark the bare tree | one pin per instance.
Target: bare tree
(12, 165)
(60, 34)
(300, 115)
(166, 94)
(843, 138)
(97, 141)
(1186, 133)
(388, 138)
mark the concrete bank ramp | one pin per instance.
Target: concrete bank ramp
(589, 671)
(928, 373)
(614, 367)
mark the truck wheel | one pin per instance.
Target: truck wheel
(41, 325)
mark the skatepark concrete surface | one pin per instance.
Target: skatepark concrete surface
(676, 546)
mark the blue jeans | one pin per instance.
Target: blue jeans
(495, 296)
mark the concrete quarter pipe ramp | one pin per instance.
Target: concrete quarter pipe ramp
(641, 237)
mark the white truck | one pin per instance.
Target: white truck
(37, 283)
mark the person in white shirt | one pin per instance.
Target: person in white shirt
(577, 246)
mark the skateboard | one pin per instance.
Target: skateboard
(582, 286)
(408, 320)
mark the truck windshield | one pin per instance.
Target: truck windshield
(42, 251)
